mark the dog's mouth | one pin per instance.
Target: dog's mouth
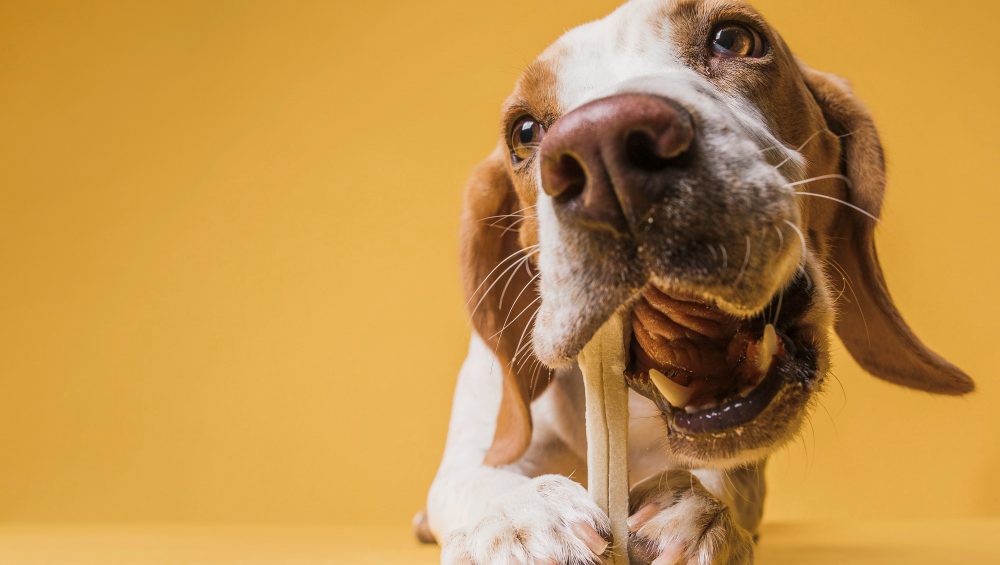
(709, 371)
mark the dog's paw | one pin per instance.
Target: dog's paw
(675, 521)
(549, 520)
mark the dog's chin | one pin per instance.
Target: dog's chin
(732, 380)
(560, 334)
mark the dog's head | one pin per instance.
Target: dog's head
(675, 164)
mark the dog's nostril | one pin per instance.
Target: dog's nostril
(642, 152)
(655, 145)
(566, 178)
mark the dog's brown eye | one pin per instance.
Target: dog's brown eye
(525, 137)
(735, 40)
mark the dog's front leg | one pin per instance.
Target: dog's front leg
(516, 514)
(696, 518)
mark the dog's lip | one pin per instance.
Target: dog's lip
(734, 411)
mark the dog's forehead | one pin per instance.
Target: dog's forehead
(640, 40)
(594, 59)
(659, 47)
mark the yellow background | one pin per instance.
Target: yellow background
(228, 283)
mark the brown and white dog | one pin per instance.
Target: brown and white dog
(672, 163)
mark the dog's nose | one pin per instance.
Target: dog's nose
(607, 162)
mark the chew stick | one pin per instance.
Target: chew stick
(602, 362)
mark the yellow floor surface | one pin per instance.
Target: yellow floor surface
(966, 543)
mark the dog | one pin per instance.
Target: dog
(675, 164)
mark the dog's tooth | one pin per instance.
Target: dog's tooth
(707, 406)
(677, 395)
(768, 349)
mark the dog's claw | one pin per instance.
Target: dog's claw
(589, 536)
(671, 556)
(643, 515)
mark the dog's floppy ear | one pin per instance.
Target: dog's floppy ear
(499, 283)
(872, 328)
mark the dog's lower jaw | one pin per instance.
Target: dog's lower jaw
(798, 376)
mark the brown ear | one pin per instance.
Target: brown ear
(872, 329)
(499, 282)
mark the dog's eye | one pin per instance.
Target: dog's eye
(525, 137)
(735, 40)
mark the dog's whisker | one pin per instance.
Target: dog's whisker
(736, 489)
(843, 391)
(513, 225)
(538, 368)
(530, 250)
(778, 146)
(812, 432)
(521, 343)
(535, 366)
(791, 154)
(850, 287)
(498, 279)
(521, 313)
(814, 135)
(525, 209)
(512, 269)
(805, 451)
(746, 262)
(802, 237)
(525, 356)
(781, 238)
(499, 218)
(523, 348)
(833, 422)
(510, 279)
(514, 214)
(801, 147)
(532, 370)
(535, 370)
(839, 201)
(840, 294)
(517, 218)
(725, 257)
(834, 176)
(777, 310)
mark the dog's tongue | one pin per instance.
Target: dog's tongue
(686, 335)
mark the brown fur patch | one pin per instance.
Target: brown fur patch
(502, 310)
(871, 327)
(506, 309)
(494, 276)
